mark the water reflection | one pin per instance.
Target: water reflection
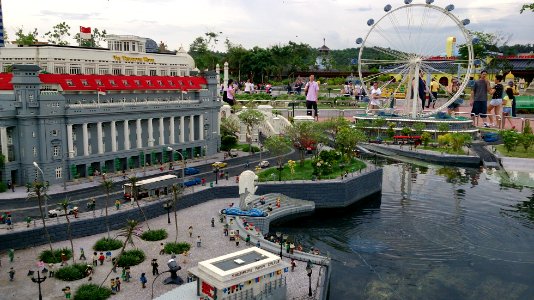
(436, 233)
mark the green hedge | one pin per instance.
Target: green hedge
(47, 256)
(176, 248)
(154, 235)
(71, 273)
(3, 187)
(131, 258)
(91, 291)
(105, 244)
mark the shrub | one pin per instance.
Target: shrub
(228, 142)
(48, 257)
(245, 148)
(71, 273)
(425, 138)
(510, 139)
(91, 291)
(176, 248)
(107, 244)
(3, 187)
(131, 258)
(154, 235)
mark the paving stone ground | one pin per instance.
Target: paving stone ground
(213, 244)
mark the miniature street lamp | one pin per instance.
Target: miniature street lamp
(282, 238)
(309, 271)
(167, 206)
(39, 279)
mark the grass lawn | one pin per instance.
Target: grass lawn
(443, 149)
(518, 152)
(305, 172)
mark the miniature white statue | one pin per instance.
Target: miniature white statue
(247, 188)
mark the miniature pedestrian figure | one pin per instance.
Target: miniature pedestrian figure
(288, 246)
(237, 179)
(11, 274)
(212, 222)
(127, 275)
(226, 175)
(64, 259)
(82, 254)
(113, 286)
(278, 202)
(247, 240)
(101, 258)
(155, 266)
(237, 237)
(143, 280)
(293, 265)
(51, 271)
(190, 230)
(75, 212)
(11, 254)
(9, 223)
(258, 243)
(114, 263)
(123, 274)
(198, 241)
(262, 200)
(95, 259)
(161, 249)
(89, 272)
(28, 220)
(269, 207)
(118, 284)
(225, 230)
(67, 292)
(108, 256)
(185, 254)
(9, 184)
(117, 204)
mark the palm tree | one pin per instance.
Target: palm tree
(38, 190)
(176, 192)
(128, 233)
(133, 181)
(65, 205)
(107, 185)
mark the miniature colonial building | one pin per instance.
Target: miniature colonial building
(252, 273)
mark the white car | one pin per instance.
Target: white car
(59, 211)
(263, 164)
(233, 153)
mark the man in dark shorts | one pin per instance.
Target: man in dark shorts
(479, 97)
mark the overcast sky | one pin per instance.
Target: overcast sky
(249, 22)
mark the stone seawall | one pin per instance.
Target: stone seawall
(325, 194)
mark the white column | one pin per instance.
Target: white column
(85, 140)
(113, 137)
(99, 138)
(171, 130)
(70, 143)
(191, 128)
(150, 133)
(138, 132)
(201, 127)
(3, 140)
(182, 133)
(126, 135)
(161, 132)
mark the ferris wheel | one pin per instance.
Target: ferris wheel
(410, 42)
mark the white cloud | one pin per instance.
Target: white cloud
(248, 22)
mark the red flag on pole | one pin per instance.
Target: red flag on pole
(85, 32)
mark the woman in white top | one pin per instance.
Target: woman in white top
(375, 96)
(248, 87)
(230, 93)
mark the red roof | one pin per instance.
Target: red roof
(71, 82)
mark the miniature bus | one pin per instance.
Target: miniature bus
(156, 186)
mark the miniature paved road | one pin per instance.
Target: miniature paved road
(213, 244)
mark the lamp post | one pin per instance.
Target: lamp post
(183, 163)
(206, 127)
(167, 206)
(216, 171)
(38, 280)
(309, 271)
(282, 237)
(44, 185)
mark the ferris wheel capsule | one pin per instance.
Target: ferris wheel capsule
(466, 22)
(476, 62)
(407, 2)
(370, 22)
(429, 1)
(387, 8)
(449, 7)
(359, 41)
(475, 40)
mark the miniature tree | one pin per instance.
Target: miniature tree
(107, 185)
(251, 118)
